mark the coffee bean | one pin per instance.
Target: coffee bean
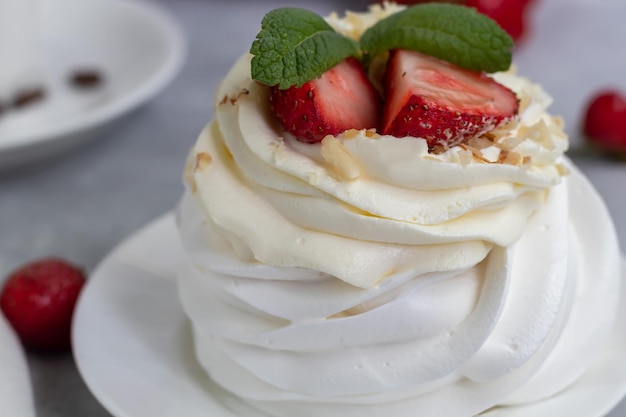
(86, 78)
(27, 97)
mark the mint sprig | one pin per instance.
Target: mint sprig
(295, 46)
(456, 34)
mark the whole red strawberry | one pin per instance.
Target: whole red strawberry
(440, 102)
(510, 14)
(605, 120)
(342, 98)
(38, 299)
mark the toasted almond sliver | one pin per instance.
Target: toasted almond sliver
(513, 158)
(372, 134)
(558, 121)
(350, 134)
(562, 170)
(491, 154)
(339, 158)
(480, 142)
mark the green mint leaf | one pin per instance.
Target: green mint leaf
(454, 33)
(295, 46)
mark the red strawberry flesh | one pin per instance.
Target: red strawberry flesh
(440, 102)
(341, 99)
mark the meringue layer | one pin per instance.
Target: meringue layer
(511, 329)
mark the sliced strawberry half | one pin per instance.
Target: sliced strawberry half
(440, 102)
(342, 98)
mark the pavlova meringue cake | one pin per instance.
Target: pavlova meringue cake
(433, 253)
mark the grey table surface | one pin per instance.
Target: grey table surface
(81, 204)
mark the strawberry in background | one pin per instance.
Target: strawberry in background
(512, 15)
(38, 299)
(604, 122)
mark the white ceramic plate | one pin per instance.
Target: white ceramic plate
(136, 46)
(133, 348)
(16, 397)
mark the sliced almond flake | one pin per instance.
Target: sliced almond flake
(347, 29)
(432, 157)
(507, 144)
(350, 134)
(475, 152)
(465, 157)
(558, 133)
(538, 133)
(277, 149)
(511, 158)
(461, 154)
(562, 170)
(372, 134)
(557, 126)
(523, 132)
(339, 158)
(480, 142)
(491, 153)
(479, 156)
(505, 129)
(558, 121)
(203, 161)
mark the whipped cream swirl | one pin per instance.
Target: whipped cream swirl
(512, 329)
(363, 207)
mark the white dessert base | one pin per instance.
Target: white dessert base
(133, 346)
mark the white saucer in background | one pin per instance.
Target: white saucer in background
(132, 342)
(16, 396)
(136, 46)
